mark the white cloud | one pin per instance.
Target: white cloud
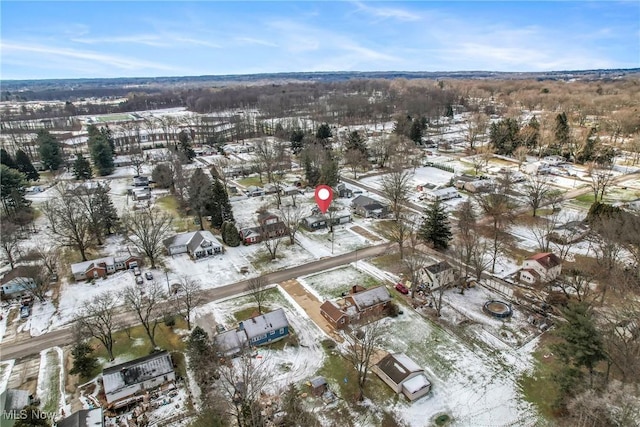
(38, 54)
(388, 12)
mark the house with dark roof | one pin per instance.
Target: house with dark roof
(269, 227)
(146, 373)
(83, 418)
(198, 244)
(334, 314)
(369, 208)
(541, 268)
(314, 222)
(403, 375)
(101, 267)
(438, 274)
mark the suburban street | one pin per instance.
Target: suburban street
(34, 345)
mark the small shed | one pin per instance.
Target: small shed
(318, 386)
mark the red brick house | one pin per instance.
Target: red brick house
(269, 227)
(359, 305)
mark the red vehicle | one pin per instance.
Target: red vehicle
(402, 288)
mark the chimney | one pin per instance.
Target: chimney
(354, 289)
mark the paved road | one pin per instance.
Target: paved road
(60, 337)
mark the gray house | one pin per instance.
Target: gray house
(125, 380)
(369, 208)
(266, 328)
(198, 244)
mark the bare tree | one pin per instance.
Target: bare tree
(146, 229)
(396, 187)
(414, 262)
(257, 287)
(146, 305)
(361, 344)
(68, 220)
(622, 340)
(242, 381)
(189, 296)
(576, 284)
(480, 259)
(542, 229)
(10, 242)
(466, 239)
(500, 209)
(271, 237)
(291, 215)
(601, 179)
(356, 160)
(475, 127)
(520, 155)
(536, 190)
(400, 230)
(98, 319)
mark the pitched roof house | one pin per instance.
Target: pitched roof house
(359, 304)
(100, 267)
(266, 328)
(148, 372)
(368, 207)
(438, 274)
(17, 286)
(230, 343)
(198, 244)
(269, 227)
(403, 375)
(542, 267)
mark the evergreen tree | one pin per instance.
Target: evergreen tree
(107, 136)
(415, 134)
(324, 132)
(12, 190)
(200, 194)
(435, 228)
(330, 173)
(106, 210)
(588, 150)
(503, 136)
(582, 345)
(50, 150)
(185, 146)
(82, 168)
(162, 176)
(311, 173)
(220, 207)
(449, 111)
(356, 142)
(25, 166)
(102, 156)
(296, 138)
(230, 234)
(7, 160)
(562, 133)
(83, 363)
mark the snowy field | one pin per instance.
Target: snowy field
(331, 284)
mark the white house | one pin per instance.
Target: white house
(443, 194)
(198, 244)
(543, 267)
(101, 267)
(403, 375)
(437, 275)
(125, 380)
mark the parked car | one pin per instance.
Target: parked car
(25, 311)
(402, 289)
(139, 280)
(136, 271)
(148, 275)
(220, 328)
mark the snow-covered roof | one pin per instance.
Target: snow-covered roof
(81, 267)
(398, 367)
(230, 341)
(83, 418)
(416, 383)
(444, 191)
(264, 323)
(136, 371)
(192, 239)
(371, 297)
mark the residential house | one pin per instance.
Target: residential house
(443, 194)
(403, 375)
(101, 267)
(314, 222)
(265, 328)
(541, 268)
(140, 181)
(369, 208)
(198, 244)
(16, 286)
(142, 193)
(269, 227)
(83, 418)
(230, 343)
(146, 373)
(335, 314)
(438, 274)
(478, 186)
(359, 305)
(537, 168)
(253, 191)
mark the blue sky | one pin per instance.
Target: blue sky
(125, 39)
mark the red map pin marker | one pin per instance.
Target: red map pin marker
(324, 196)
